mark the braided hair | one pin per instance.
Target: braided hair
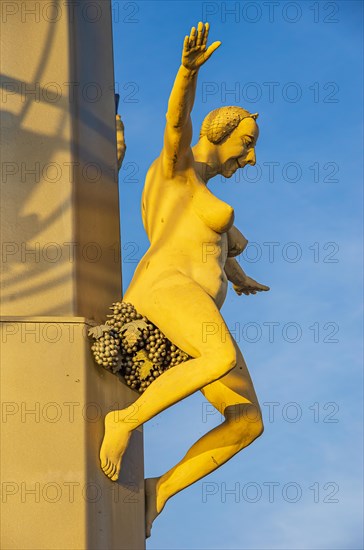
(218, 124)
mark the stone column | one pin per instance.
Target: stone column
(61, 269)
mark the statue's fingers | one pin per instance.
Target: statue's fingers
(206, 35)
(200, 33)
(264, 287)
(210, 50)
(192, 37)
(186, 44)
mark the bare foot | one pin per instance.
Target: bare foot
(115, 442)
(150, 504)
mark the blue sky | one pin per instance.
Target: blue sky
(300, 67)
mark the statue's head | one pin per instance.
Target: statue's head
(233, 132)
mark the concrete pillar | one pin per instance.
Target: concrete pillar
(59, 194)
(54, 494)
(60, 251)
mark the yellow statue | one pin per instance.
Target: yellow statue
(181, 283)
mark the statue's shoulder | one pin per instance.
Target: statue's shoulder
(157, 177)
(155, 170)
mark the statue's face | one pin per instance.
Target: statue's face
(238, 150)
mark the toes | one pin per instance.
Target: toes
(115, 477)
(112, 471)
(110, 468)
(103, 461)
(106, 466)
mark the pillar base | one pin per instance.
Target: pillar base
(54, 398)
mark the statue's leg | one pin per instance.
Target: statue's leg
(234, 396)
(181, 309)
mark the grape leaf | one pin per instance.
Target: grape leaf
(141, 355)
(147, 365)
(133, 330)
(98, 331)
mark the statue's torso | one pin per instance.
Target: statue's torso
(186, 225)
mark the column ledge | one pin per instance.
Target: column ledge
(47, 319)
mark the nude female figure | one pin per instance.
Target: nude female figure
(181, 283)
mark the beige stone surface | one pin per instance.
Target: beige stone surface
(59, 195)
(54, 398)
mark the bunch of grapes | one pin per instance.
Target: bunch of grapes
(106, 351)
(132, 347)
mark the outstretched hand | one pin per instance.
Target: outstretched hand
(250, 286)
(195, 53)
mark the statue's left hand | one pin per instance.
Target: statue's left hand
(195, 53)
(249, 286)
(120, 141)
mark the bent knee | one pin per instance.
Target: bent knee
(221, 360)
(245, 419)
(258, 428)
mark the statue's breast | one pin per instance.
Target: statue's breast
(215, 213)
(168, 204)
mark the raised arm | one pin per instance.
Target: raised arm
(178, 132)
